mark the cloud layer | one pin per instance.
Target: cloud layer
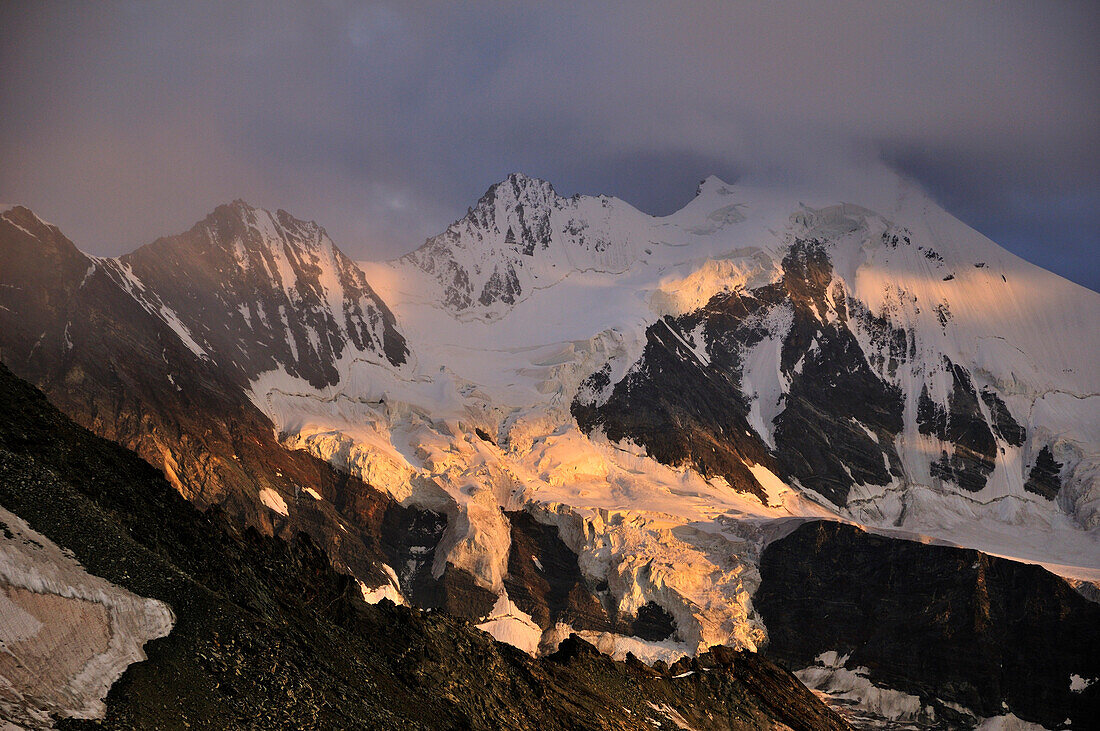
(125, 121)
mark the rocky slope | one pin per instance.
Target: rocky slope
(257, 290)
(267, 635)
(110, 353)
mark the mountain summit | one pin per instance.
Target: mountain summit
(522, 235)
(259, 290)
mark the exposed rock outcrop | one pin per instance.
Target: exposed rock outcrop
(949, 625)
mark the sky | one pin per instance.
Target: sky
(125, 121)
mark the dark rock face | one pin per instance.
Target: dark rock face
(1044, 478)
(544, 580)
(460, 595)
(840, 418)
(259, 291)
(681, 409)
(503, 288)
(268, 635)
(1006, 427)
(939, 622)
(653, 623)
(687, 410)
(553, 589)
(962, 424)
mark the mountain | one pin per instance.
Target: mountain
(523, 236)
(562, 415)
(256, 632)
(255, 290)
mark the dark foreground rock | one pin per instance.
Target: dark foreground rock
(942, 623)
(268, 635)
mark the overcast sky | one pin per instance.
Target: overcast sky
(121, 122)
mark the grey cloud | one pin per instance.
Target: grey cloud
(125, 121)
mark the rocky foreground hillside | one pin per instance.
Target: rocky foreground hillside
(265, 634)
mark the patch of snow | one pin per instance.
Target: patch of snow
(762, 380)
(274, 501)
(830, 677)
(67, 635)
(774, 487)
(1077, 684)
(648, 651)
(672, 715)
(1007, 722)
(390, 590)
(508, 624)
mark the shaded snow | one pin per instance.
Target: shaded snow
(1077, 684)
(852, 688)
(507, 623)
(1008, 722)
(390, 590)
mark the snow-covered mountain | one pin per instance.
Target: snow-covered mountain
(590, 419)
(522, 236)
(882, 362)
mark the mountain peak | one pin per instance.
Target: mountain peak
(712, 184)
(277, 282)
(30, 237)
(240, 223)
(522, 180)
(519, 188)
(22, 216)
(236, 208)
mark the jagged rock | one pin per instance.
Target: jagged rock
(964, 426)
(259, 290)
(1044, 476)
(684, 401)
(1006, 427)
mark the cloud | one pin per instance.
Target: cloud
(125, 121)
